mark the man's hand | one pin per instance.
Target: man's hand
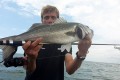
(31, 49)
(84, 45)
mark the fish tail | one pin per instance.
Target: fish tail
(8, 51)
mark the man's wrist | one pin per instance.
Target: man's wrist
(80, 57)
(30, 60)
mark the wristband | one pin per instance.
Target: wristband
(80, 57)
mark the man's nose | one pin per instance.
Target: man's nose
(50, 21)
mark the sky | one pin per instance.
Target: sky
(102, 16)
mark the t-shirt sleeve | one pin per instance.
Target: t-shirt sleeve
(68, 51)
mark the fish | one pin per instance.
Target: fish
(60, 32)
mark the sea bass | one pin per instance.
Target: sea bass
(58, 33)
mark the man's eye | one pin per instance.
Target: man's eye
(53, 17)
(46, 17)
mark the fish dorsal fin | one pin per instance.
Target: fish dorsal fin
(60, 20)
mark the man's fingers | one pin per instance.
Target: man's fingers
(36, 42)
(31, 45)
(38, 47)
(87, 37)
(26, 45)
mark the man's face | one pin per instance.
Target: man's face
(49, 18)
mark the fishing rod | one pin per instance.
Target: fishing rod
(98, 44)
(20, 43)
(116, 46)
(20, 61)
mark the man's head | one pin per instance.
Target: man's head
(49, 14)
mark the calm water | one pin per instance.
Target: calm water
(96, 71)
(88, 71)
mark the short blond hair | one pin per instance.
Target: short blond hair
(48, 9)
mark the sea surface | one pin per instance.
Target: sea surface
(88, 71)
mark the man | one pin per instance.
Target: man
(46, 62)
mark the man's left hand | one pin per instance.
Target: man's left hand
(84, 45)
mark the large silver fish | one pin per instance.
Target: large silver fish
(58, 33)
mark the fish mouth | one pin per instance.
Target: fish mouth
(79, 32)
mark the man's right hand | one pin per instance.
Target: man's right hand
(31, 49)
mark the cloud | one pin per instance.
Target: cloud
(101, 15)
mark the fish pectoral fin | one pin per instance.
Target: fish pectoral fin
(8, 51)
(66, 47)
(70, 33)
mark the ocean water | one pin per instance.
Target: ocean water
(88, 71)
(96, 71)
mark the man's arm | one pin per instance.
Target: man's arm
(73, 64)
(31, 50)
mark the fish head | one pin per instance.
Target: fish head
(83, 30)
(79, 31)
(89, 32)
